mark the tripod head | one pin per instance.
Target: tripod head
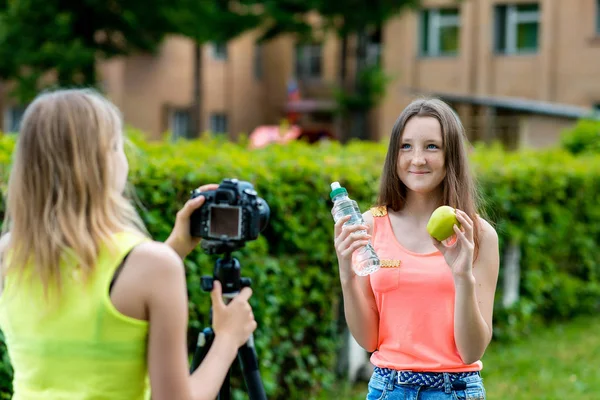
(227, 268)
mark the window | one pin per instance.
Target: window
(258, 62)
(219, 51)
(180, 124)
(374, 48)
(308, 61)
(517, 28)
(218, 123)
(12, 118)
(440, 31)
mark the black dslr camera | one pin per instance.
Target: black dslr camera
(231, 215)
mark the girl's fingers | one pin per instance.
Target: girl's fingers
(353, 247)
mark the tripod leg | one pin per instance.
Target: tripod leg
(205, 340)
(249, 363)
(225, 392)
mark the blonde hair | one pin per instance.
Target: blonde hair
(61, 193)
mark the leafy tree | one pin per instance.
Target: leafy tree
(66, 37)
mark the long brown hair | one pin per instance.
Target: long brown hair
(61, 192)
(459, 189)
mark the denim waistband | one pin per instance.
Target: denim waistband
(434, 380)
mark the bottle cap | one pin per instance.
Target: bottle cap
(336, 190)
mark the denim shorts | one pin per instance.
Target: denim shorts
(389, 385)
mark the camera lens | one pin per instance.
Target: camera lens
(264, 213)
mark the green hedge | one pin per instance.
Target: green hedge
(584, 137)
(545, 201)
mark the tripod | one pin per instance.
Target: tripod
(227, 271)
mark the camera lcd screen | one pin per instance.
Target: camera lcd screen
(225, 222)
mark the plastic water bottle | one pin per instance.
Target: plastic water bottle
(364, 260)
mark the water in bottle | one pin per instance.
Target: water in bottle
(364, 260)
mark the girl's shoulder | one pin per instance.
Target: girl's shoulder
(486, 229)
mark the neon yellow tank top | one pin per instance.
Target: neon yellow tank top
(78, 346)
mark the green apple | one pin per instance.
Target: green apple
(441, 223)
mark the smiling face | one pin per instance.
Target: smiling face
(421, 164)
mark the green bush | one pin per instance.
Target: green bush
(583, 137)
(544, 201)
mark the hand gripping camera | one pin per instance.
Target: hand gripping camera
(230, 216)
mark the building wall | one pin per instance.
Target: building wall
(577, 63)
(565, 69)
(147, 88)
(278, 62)
(541, 131)
(143, 85)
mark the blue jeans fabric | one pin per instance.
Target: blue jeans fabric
(387, 387)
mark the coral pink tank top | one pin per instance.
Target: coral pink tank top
(415, 298)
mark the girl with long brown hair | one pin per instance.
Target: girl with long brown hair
(426, 314)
